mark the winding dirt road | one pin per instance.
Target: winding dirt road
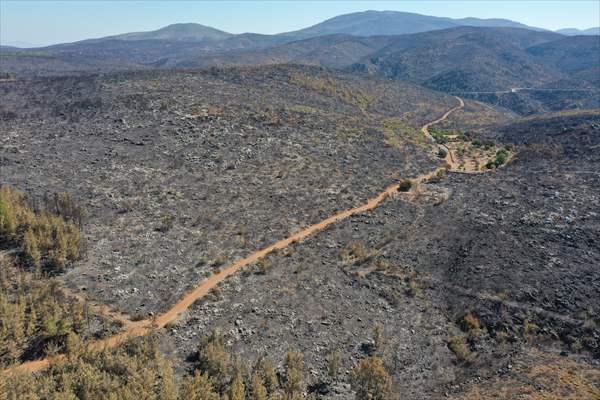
(449, 158)
(140, 328)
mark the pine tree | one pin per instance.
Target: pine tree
(370, 380)
(294, 373)
(237, 390)
(31, 249)
(168, 389)
(266, 368)
(259, 392)
(198, 387)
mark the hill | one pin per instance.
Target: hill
(176, 32)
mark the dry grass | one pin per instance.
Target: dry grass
(540, 376)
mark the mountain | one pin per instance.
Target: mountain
(23, 45)
(176, 32)
(570, 54)
(464, 59)
(575, 31)
(371, 23)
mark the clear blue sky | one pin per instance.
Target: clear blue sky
(48, 22)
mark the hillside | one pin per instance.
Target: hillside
(177, 177)
(464, 59)
(572, 54)
(335, 51)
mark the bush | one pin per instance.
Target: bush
(500, 159)
(459, 347)
(370, 380)
(333, 363)
(294, 373)
(442, 153)
(405, 185)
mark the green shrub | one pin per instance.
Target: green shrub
(405, 185)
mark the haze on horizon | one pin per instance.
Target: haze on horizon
(40, 23)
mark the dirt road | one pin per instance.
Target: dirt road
(450, 160)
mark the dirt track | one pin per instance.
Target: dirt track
(140, 328)
(450, 160)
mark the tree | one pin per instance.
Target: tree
(294, 373)
(214, 357)
(198, 387)
(31, 249)
(370, 380)
(259, 392)
(333, 363)
(266, 369)
(237, 390)
(168, 388)
(378, 336)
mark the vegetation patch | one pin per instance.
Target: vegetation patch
(37, 318)
(398, 133)
(336, 89)
(49, 239)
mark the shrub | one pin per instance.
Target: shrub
(378, 336)
(442, 153)
(333, 363)
(471, 322)
(405, 185)
(294, 373)
(500, 159)
(459, 347)
(166, 223)
(258, 389)
(370, 380)
(214, 357)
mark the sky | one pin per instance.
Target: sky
(49, 22)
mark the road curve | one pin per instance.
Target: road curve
(449, 158)
(140, 328)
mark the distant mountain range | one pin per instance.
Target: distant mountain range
(366, 23)
(574, 31)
